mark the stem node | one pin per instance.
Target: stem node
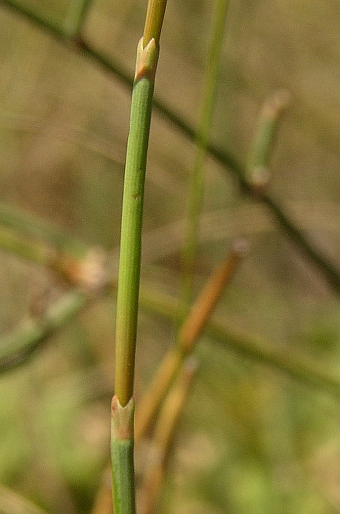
(147, 58)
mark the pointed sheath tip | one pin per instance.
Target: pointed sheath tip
(147, 58)
(122, 419)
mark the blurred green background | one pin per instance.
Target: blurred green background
(251, 440)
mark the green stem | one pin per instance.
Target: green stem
(46, 22)
(202, 140)
(263, 141)
(18, 347)
(122, 439)
(131, 229)
(35, 227)
(75, 17)
(34, 251)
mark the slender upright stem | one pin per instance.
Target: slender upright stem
(188, 335)
(76, 16)
(203, 307)
(130, 245)
(128, 278)
(202, 141)
(122, 438)
(163, 435)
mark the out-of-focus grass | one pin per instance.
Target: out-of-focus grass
(250, 440)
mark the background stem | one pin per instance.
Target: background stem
(202, 140)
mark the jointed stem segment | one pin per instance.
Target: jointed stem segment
(130, 249)
(130, 257)
(147, 57)
(196, 187)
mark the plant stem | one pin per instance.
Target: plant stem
(131, 229)
(295, 365)
(34, 227)
(264, 138)
(129, 271)
(129, 264)
(75, 17)
(18, 347)
(87, 272)
(188, 335)
(203, 307)
(163, 435)
(157, 390)
(31, 250)
(202, 140)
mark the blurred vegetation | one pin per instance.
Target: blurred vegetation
(250, 439)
